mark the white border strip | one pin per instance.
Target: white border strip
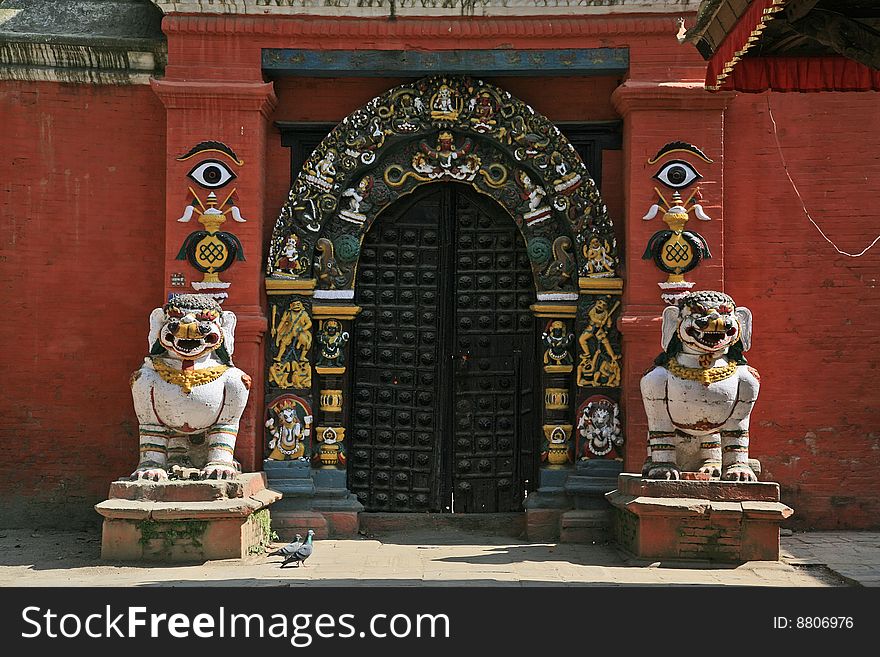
(333, 294)
(557, 296)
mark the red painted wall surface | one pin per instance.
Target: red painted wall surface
(81, 187)
(816, 426)
(82, 206)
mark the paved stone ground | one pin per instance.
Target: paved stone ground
(854, 556)
(453, 558)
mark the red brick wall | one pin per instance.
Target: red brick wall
(816, 425)
(82, 203)
(81, 239)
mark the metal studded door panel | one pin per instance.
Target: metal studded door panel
(494, 338)
(397, 410)
(444, 353)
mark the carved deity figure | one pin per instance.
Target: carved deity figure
(700, 394)
(599, 263)
(290, 258)
(407, 111)
(598, 364)
(557, 341)
(294, 324)
(289, 434)
(325, 167)
(324, 171)
(446, 159)
(188, 396)
(445, 104)
(599, 427)
(529, 191)
(482, 109)
(568, 180)
(292, 335)
(356, 195)
(332, 340)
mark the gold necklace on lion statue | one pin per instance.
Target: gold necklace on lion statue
(704, 375)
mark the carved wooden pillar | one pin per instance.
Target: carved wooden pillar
(557, 370)
(598, 371)
(332, 360)
(289, 372)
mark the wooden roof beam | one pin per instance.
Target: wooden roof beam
(845, 36)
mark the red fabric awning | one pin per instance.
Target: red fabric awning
(757, 74)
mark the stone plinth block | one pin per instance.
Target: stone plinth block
(715, 520)
(292, 478)
(175, 521)
(342, 524)
(543, 525)
(551, 489)
(287, 524)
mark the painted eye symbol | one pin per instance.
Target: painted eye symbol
(211, 174)
(677, 174)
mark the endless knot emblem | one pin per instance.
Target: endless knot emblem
(212, 252)
(677, 252)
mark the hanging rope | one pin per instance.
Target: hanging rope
(803, 205)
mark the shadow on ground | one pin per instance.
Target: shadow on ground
(445, 557)
(395, 583)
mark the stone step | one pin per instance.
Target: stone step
(591, 526)
(493, 524)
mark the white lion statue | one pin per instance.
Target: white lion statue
(700, 393)
(188, 396)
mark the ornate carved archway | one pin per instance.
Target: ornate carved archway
(441, 129)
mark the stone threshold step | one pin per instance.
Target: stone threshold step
(495, 524)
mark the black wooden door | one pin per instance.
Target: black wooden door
(444, 358)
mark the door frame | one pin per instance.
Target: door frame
(402, 140)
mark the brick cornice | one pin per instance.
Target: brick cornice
(253, 96)
(462, 29)
(654, 96)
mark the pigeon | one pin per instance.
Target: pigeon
(301, 553)
(288, 549)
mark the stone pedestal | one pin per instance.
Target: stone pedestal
(184, 520)
(338, 505)
(293, 514)
(714, 520)
(590, 520)
(569, 505)
(293, 479)
(315, 499)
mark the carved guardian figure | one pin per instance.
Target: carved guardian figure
(700, 393)
(188, 396)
